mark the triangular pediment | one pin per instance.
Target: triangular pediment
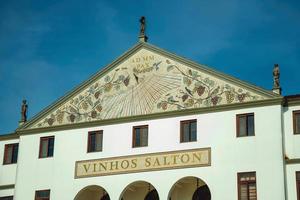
(146, 80)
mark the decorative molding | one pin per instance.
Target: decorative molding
(292, 161)
(10, 136)
(221, 108)
(292, 100)
(6, 187)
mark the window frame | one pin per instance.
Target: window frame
(7, 197)
(298, 184)
(295, 112)
(37, 198)
(89, 141)
(40, 150)
(239, 174)
(6, 146)
(189, 121)
(238, 124)
(134, 135)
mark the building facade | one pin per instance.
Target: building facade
(153, 125)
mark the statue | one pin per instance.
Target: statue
(276, 75)
(24, 111)
(143, 26)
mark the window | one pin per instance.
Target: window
(7, 198)
(140, 136)
(245, 124)
(296, 121)
(42, 195)
(247, 186)
(188, 130)
(95, 139)
(11, 153)
(298, 184)
(46, 147)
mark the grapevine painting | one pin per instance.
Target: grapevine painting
(143, 84)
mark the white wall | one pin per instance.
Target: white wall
(292, 150)
(292, 142)
(8, 171)
(6, 192)
(291, 180)
(261, 153)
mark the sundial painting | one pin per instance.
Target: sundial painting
(146, 83)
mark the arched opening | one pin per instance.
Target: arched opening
(190, 188)
(139, 190)
(92, 192)
(152, 195)
(202, 193)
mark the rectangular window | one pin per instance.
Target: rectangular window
(296, 121)
(245, 124)
(42, 195)
(188, 130)
(247, 186)
(140, 136)
(46, 147)
(95, 140)
(298, 184)
(11, 153)
(7, 198)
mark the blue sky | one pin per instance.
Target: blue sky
(49, 47)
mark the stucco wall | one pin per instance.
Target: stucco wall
(261, 153)
(8, 171)
(292, 150)
(292, 142)
(291, 180)
(6, 192)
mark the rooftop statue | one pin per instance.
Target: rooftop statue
(24, 111)
(143, 26)
(276, 75)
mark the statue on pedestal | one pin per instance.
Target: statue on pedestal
(143, 26)
(276, 75)
(142, 35)
(24, 109)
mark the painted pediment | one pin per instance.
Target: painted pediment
(146, 80)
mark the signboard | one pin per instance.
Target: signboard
(144, 162)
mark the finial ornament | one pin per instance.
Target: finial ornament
(276, 76)
(142, 35)
(24, 109)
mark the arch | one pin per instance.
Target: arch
(139, 190)
(92, 192)
(189, 187)
(105, 197)
(202, 193)
(152, 195)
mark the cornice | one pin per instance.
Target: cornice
(10, 136)
(292, 100)
(177, 113)
(5, 187)
(293, 161)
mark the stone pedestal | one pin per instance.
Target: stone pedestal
(143, 38)
(277, 90)
(21, 123)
